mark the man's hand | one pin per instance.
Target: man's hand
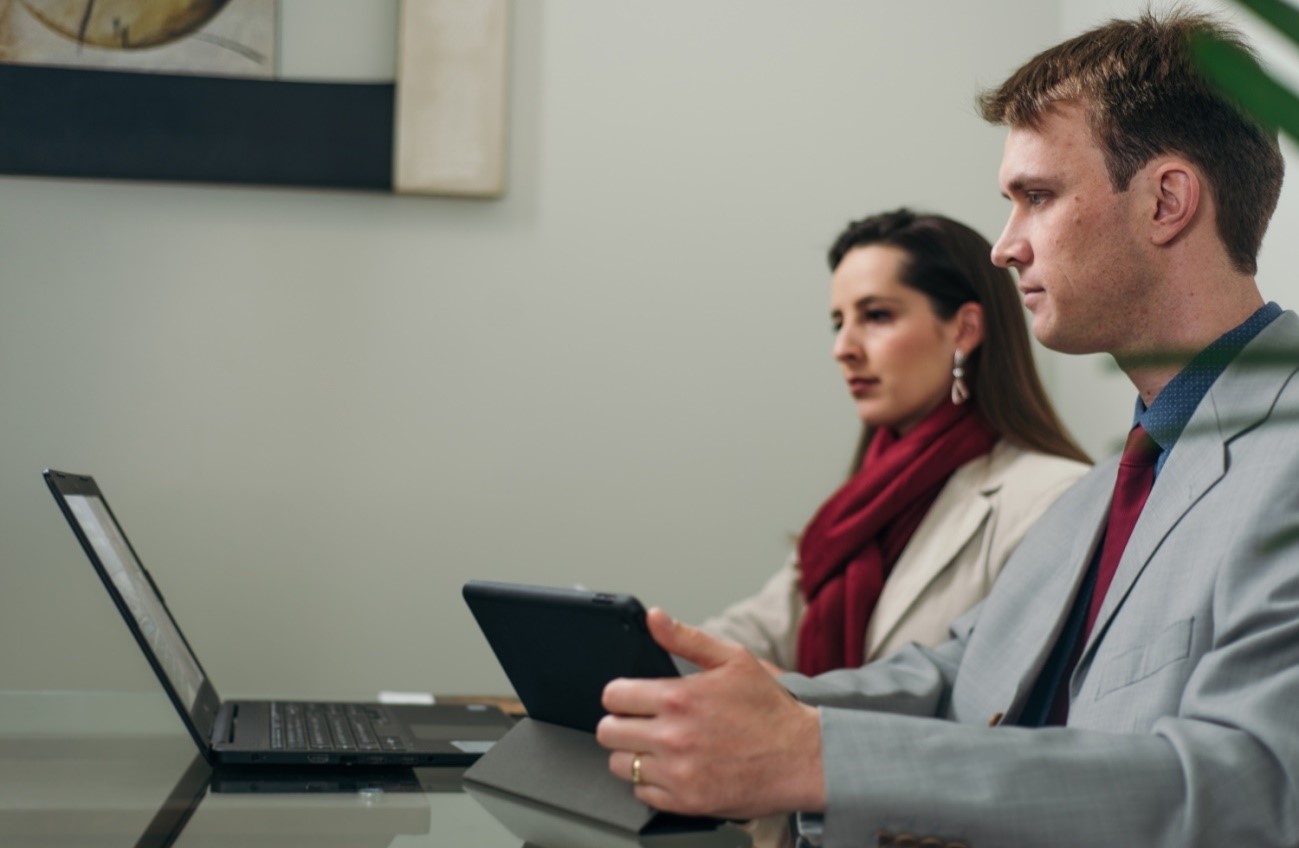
(727, 742)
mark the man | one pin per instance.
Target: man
(1133, 679)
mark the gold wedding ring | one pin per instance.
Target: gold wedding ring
(635, 770)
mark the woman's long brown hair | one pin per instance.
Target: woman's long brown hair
(951, 264)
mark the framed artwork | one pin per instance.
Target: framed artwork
(439, 129)
(221, 37)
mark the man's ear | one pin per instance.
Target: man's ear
(1177, 198)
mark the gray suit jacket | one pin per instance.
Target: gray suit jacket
(1184, 712)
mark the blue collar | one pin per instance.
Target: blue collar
(1167, 417)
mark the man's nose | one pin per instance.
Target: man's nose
(1011, 249)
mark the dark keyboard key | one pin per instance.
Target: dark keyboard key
(342, 733)
(365, 738)
(318, 731)
(392, 743)
(369, 713)
(296, 731)
(277, 726)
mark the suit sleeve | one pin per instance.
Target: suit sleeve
(1222, 770)
(914, 680)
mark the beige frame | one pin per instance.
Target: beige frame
(450, 109)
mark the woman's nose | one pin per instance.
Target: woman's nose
(846, 346)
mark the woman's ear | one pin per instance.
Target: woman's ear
(969, 327)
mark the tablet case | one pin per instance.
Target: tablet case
(543, 826)
(559, 647)
(567, 769)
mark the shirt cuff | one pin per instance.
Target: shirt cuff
(810, 828)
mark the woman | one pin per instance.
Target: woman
(960, 452)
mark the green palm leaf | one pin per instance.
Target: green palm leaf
(1241, 78)
(1282, 16)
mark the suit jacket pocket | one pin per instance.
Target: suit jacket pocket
(1139, 663)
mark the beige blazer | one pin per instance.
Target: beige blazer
(949, 565)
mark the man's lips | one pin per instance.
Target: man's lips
(1031, 294)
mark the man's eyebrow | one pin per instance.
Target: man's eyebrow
(1022, 182)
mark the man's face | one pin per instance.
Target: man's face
(1074, 241)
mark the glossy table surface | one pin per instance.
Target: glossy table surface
(118, 769)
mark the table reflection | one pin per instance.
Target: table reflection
(114, 770)
(540, 826)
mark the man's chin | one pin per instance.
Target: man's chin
(1043, 329)
(1053, 337)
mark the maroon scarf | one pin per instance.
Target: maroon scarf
(850, 545)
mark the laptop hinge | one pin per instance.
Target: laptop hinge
(225, 725)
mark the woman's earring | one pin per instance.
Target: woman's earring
(960, 391)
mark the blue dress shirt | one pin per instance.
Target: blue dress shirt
(1166, 418)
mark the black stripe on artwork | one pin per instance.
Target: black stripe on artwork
(138, 126)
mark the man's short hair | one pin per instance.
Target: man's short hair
(1144, 96)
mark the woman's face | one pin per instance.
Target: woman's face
(896, 354)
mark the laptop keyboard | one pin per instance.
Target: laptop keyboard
(332, 727)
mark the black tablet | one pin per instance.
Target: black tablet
(559, 647)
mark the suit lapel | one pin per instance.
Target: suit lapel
(921, 563)
(1237, 401)
(1197, 462)
(1052, 600)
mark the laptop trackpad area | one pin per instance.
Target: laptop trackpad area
(466, 738)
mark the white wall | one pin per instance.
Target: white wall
(318, 413)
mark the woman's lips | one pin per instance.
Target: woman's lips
(861, 386)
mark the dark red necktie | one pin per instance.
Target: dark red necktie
(1136, 477)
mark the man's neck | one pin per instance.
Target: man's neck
(1159, 357)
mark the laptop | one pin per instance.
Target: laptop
(266, 732)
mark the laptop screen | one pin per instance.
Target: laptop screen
(155, 623)
(137, 598)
